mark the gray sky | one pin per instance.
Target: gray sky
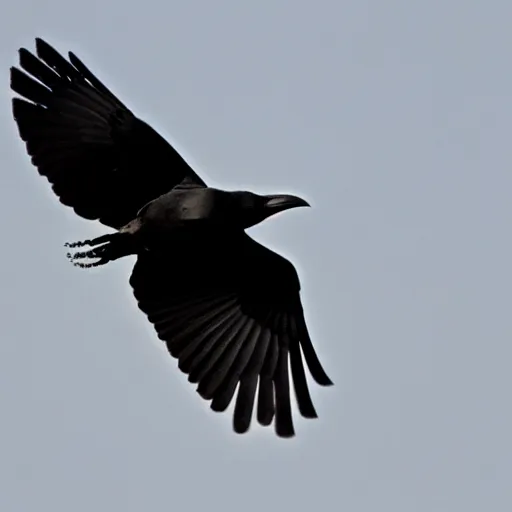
(394, 120)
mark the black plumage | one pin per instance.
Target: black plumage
(228, 308)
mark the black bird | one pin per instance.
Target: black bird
(228, 308)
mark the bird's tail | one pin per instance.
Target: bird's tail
(105, 248)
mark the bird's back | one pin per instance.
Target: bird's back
(188, 207)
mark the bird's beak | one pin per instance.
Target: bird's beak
(279, 203)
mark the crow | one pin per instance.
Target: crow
(228, 309)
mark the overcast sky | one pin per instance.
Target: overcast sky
(394, 119)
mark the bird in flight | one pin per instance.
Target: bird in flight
(228, 309)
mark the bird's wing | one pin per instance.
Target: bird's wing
(231, 314)
(100, 159)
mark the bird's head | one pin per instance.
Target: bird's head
(256, 208)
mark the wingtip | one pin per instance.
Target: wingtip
(16, 80)
(310, 415)
(327, 382)
(43, 47)
(241, 427)
(217, 406)
(265, 418)
(21, 52)
(40, 41)
(285, 434)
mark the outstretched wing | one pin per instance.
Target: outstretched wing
(230, 312)
(101, 160)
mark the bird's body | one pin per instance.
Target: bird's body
(190, 211)
(227, 308)
(188, 204)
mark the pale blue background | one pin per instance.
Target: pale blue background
(395, 120)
